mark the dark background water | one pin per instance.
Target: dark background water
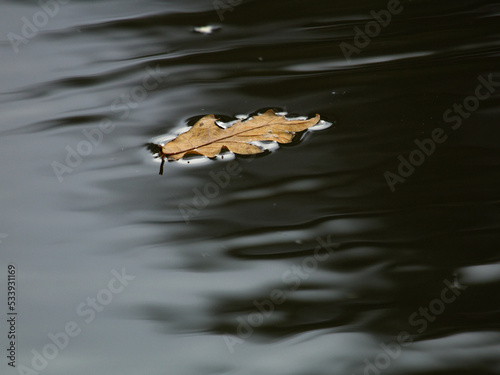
(305, 261)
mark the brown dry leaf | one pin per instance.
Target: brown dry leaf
(207, 138)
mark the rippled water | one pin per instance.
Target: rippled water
(367, 247)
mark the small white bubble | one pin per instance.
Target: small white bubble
(209, 29)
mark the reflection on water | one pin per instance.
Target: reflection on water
(302, 260)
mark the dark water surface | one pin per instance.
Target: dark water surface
(368, 247)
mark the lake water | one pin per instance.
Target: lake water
(367, 247)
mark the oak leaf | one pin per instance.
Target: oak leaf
(208, 139)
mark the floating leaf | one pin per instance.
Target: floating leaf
(208, 139)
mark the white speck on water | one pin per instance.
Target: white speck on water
(209, 29)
